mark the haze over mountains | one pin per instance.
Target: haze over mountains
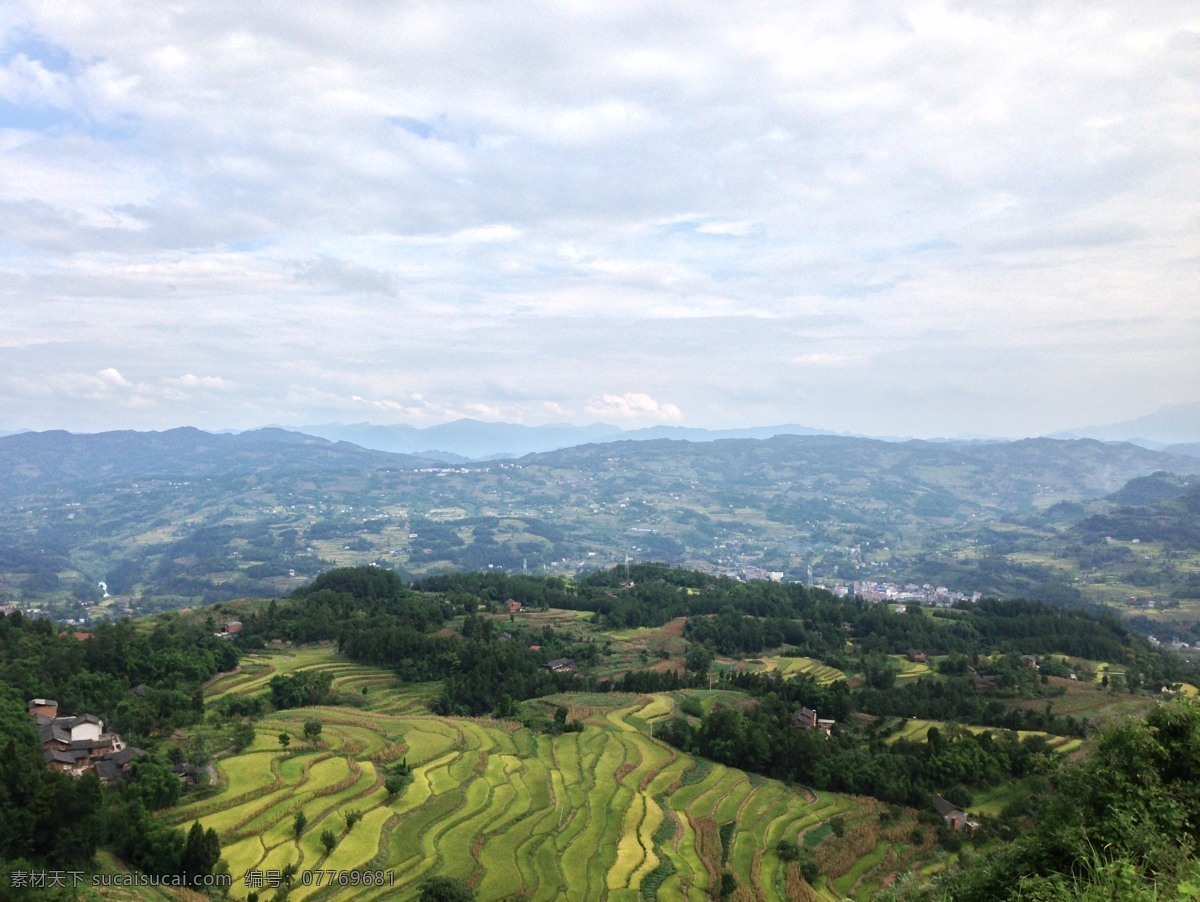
(1175, 428)
(1171, 424)
(469, 439)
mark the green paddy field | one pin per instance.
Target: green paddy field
(606, 813)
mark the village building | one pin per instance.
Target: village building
(983, 680)
(955, 817)
(806, 719)
(76, 745)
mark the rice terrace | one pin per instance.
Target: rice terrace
(608, 812)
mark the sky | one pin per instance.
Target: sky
(928, 219)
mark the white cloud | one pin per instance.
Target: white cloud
(111, 376)
(821, 359)
(633, 406)
(323, 203)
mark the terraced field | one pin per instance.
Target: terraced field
(786, 667)
(910, 670)
(915, 730)
(606, 813)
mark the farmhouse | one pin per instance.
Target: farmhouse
(512, 606)
(954, 816)
(560, 665)
(76, 745)
(806, 719)
(982, 680)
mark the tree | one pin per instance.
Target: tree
(353, 816)
(398, 776)
(312, 729)
(728, 884)
(299, 822)
(394, 784)
(153, 783)
(285, 740)
(328, 840)
(243, 736)
(201, 851)
(445, 889)
(698, 659)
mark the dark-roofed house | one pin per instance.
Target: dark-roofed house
(69, 762)
(560, 665)
(75, 745)
(953, 815)
(115, 766)
(108, 771)
(43, 707)
(805, 718)
(85, 726)
(983, 680)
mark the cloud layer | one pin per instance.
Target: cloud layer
(932, 218)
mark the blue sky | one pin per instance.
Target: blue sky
(917, 218)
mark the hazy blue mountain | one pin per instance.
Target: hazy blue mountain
(1172, 424)
(464, 439)
(469, 439)
(710, 435)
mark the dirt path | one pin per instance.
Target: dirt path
(216, 676)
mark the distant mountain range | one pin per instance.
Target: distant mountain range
(165, 518)
(1175, 426)
(57, 459)
(468, 439)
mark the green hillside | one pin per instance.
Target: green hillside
(165, 520)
